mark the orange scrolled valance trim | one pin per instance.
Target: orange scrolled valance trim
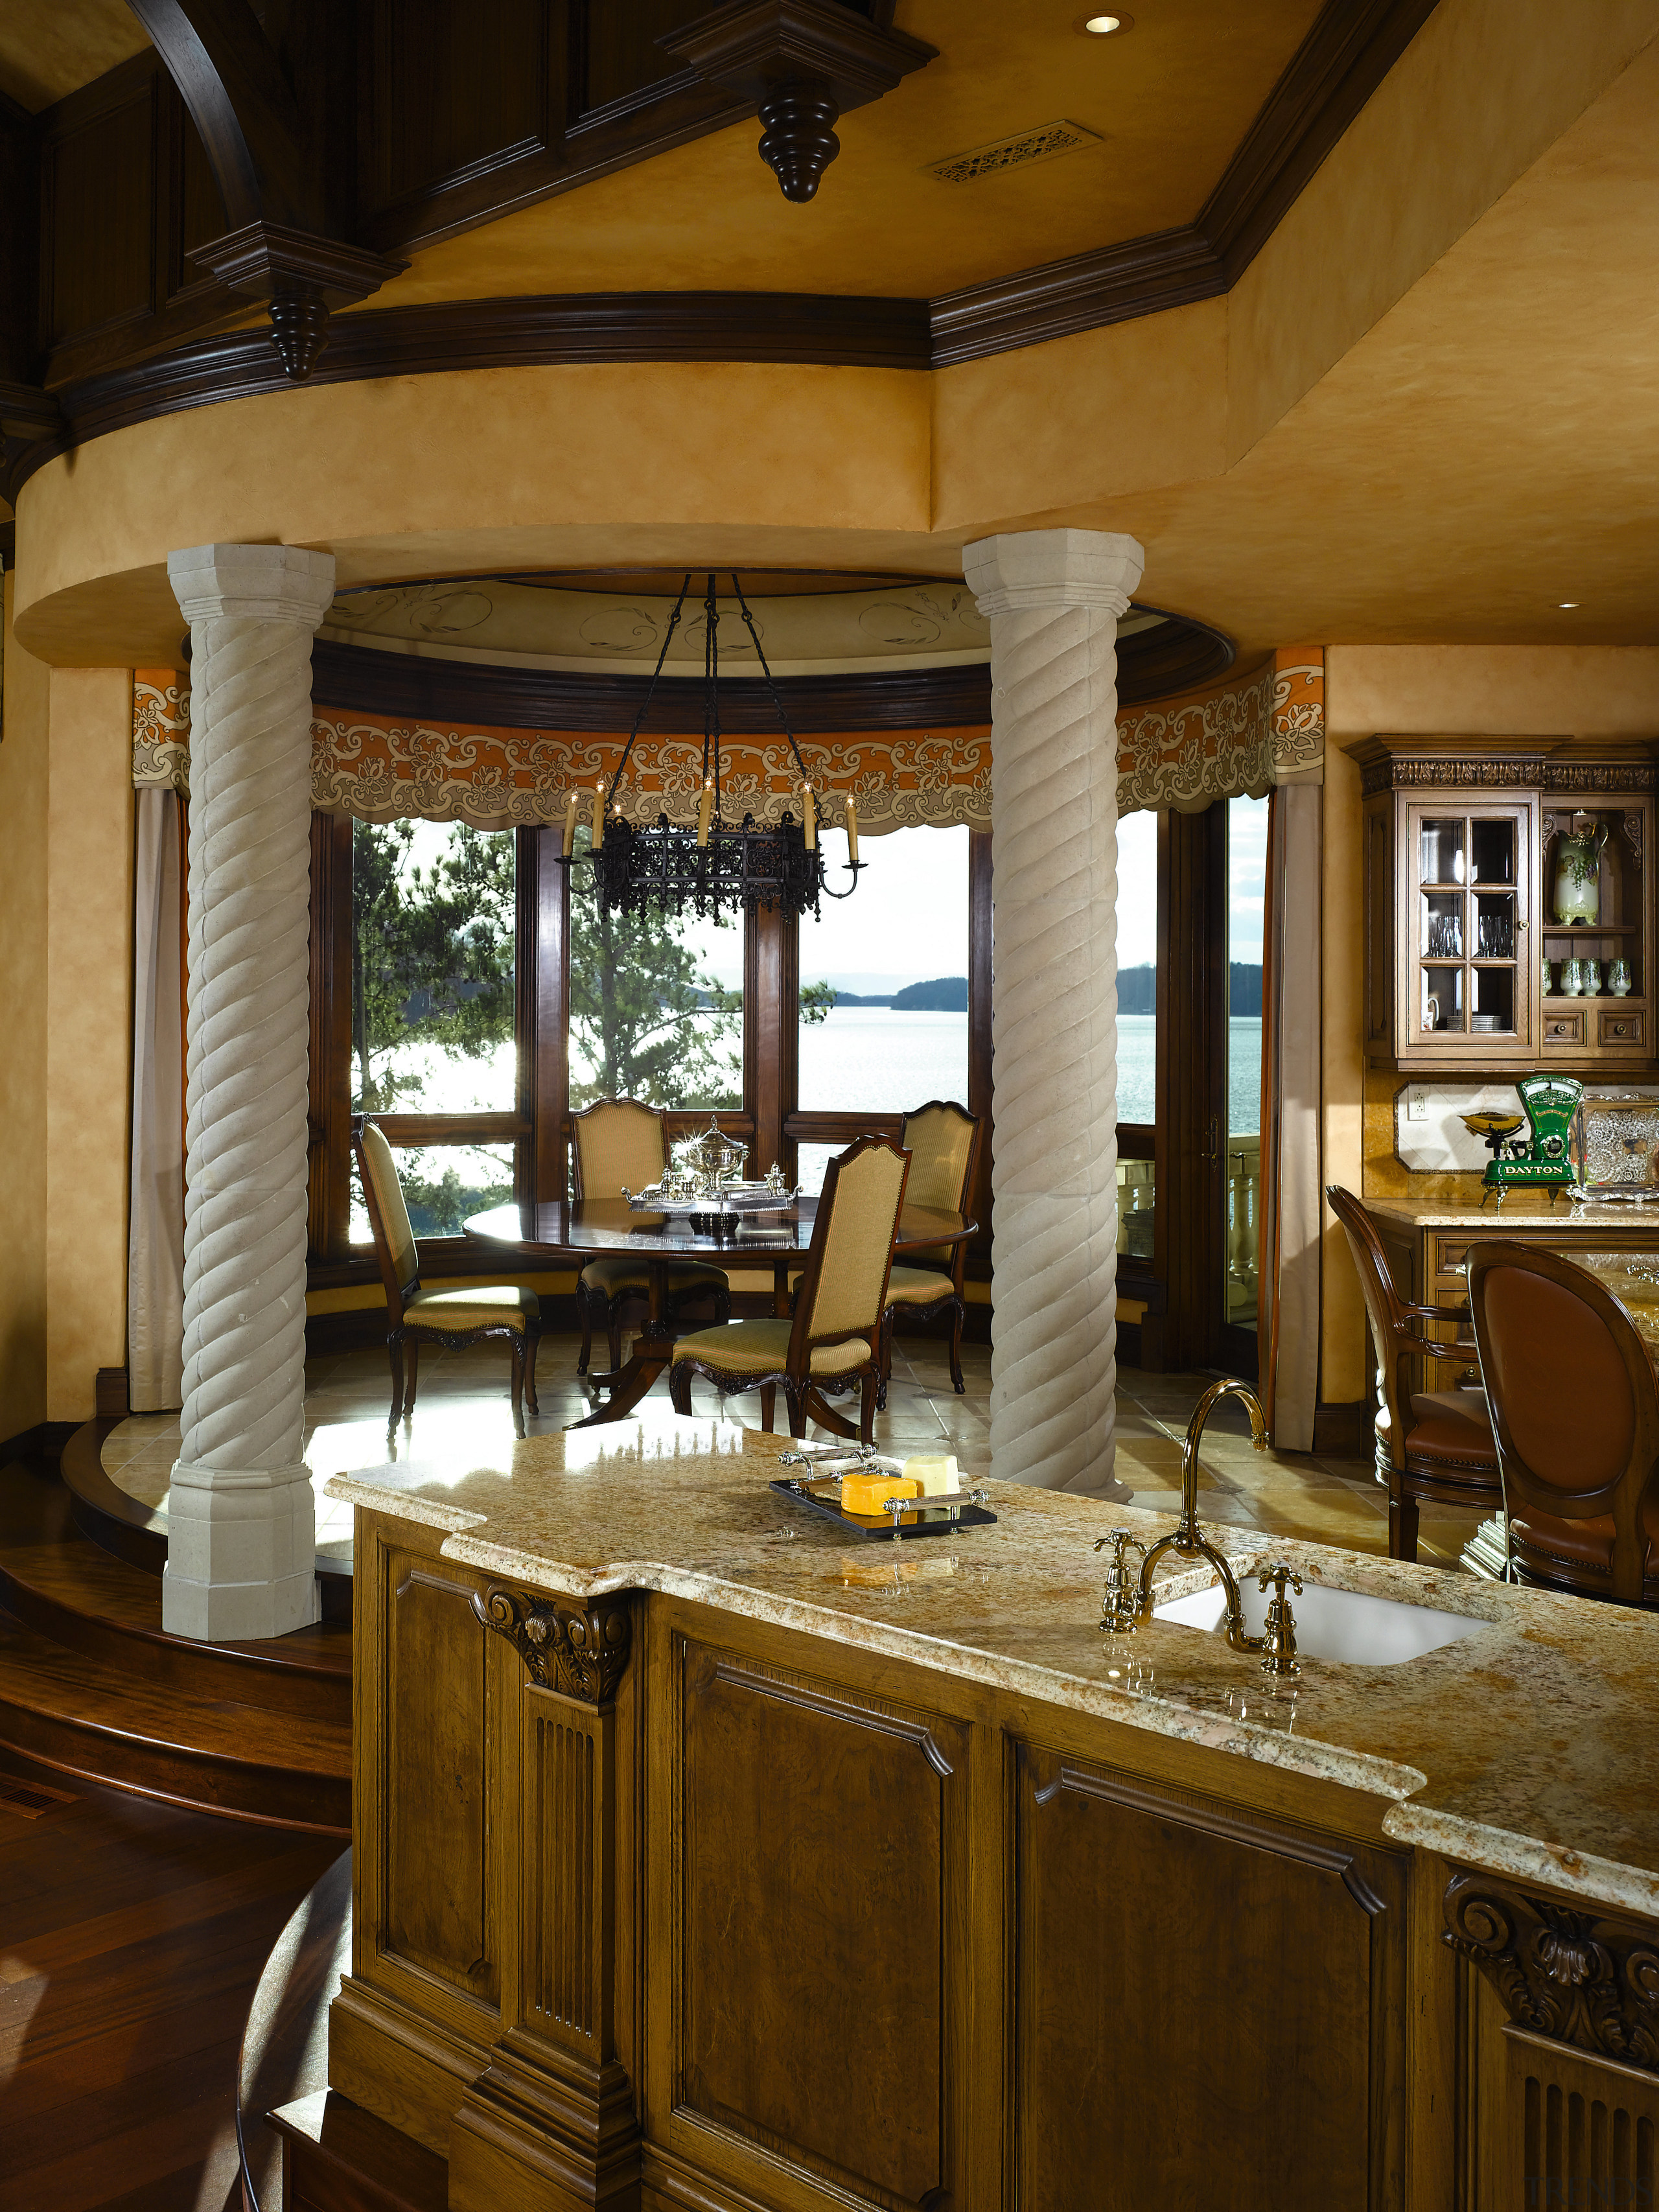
(1243, 736)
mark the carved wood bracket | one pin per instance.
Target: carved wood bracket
(1573, 1977)
(804, 64)
(579, 1650)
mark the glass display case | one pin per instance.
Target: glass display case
(1509, 917)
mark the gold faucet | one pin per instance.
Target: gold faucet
(1126, 1602)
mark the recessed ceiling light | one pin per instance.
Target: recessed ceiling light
(1102, 27)
(1567, 606)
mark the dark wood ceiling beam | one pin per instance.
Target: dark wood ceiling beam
(279, 247)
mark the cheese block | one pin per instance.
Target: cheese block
(935, 1471)
(868, 1493)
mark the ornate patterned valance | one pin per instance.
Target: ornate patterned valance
(1258, 730)
(1238, 741)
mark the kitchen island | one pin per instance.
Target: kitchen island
(705, 1857)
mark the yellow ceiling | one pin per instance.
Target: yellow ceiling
(1170, 99)
(49, 48)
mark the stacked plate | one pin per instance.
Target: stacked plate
(1486, 1021)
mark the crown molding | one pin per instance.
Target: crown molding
(1350, 49)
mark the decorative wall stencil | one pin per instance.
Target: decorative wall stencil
(1259, 730)
(1267, 728)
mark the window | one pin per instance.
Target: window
(656, 1005)
(1247, 861)
(1136, 1037)
(882, 1019)
(434, 1046)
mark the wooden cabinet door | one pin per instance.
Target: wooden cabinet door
(1466, 983)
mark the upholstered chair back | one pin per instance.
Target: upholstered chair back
(619, 1144)
(940, 1139)
(384, 1197)
(863, 1190)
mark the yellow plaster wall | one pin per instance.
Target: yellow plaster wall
(23, 798)
(1493, 690)
(88, 1022)
(1482, 92)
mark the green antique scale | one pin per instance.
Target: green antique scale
(1539, 1161)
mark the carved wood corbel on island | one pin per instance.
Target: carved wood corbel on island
(705, 1859)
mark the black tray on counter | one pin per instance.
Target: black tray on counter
(942, 1515)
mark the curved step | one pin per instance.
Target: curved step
(55, 1581)
(74, 1713)
(130, 1531)
(284, 2053)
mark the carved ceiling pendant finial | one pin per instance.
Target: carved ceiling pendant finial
(797, 135)
(298, 331)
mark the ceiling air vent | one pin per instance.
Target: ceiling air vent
(1040, 145)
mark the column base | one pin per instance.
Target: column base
(241, 1553)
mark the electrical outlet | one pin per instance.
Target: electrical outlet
(1417, 1104)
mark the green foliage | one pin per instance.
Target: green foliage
(433, 954)
(439, 1207)
(644, 1017)
(816, 1001)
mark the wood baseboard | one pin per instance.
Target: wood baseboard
(46, 1440)
(1343, 1430)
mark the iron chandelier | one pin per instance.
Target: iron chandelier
(675, 868)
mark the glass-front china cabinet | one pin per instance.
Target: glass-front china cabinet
(1509, 903)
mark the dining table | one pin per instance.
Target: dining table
(573, 1232)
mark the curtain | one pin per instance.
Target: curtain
(1288, 1321)
(156, 1234)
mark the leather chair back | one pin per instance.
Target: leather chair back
(1574, 1408)
(1392, 1337)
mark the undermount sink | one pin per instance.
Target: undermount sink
(1332, 1623)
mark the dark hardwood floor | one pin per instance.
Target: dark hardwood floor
(132, 1937)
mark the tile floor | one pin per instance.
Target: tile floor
(464, 1407)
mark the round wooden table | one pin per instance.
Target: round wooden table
(584, 1228)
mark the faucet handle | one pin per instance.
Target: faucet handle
(1121, 1597)
(1278, 1654)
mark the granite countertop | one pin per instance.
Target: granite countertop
(1526, 1749)
(1527, 1210)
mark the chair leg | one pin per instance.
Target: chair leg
(956, 1319)
(679, 1389)
(797, 1398)
(518, 1385)
(584, 1314)
(394, 1346)
(531, 1346)
(723, 1304)
(414, 1377)
(886, 1374)
(1402, 1524)
(616, 1336)
(768, 1398)
(868, 1407)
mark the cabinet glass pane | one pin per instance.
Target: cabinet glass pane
(1493, 844)
(1443, 926)
(1494, 926)
(1494, 1000)
(1440, 859)
(1442, 1000)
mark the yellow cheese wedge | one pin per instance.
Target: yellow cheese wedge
(935, 1471)
(868, 1493)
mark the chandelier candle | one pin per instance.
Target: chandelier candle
(598, 816)
(852, 830)
(809, 818)
(570, 825)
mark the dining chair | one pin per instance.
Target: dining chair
(943, 1141)
(1575, 1410)
(832, 1342)
(1437, 1444)
(450, 1318)
(624, 1145)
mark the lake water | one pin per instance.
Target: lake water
(1137, 1071)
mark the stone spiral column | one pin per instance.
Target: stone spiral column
(1054, 597)
(241, 1516)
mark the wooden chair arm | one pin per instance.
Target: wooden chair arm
(1435, 1313)
(1433, 1351)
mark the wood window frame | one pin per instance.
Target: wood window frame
(539, 1126)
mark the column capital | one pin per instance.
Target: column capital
(1054, 569)
(265, 583)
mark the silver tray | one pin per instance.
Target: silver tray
(1613, 1193)
(735, 1197)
